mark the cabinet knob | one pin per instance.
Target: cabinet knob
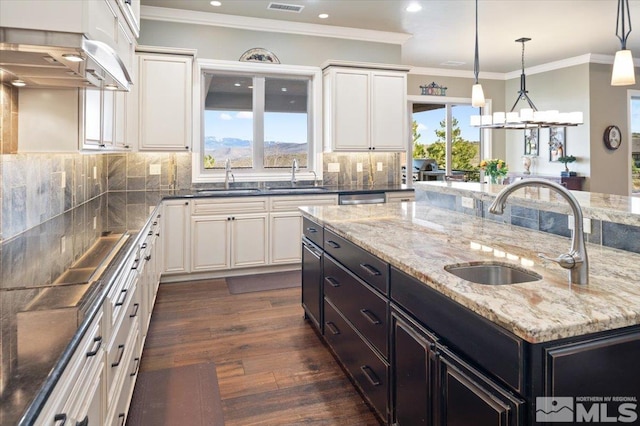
(186, 203)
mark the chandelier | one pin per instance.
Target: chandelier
(527, 117)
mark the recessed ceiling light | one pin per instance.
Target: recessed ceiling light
(73, 57)
(414, 7)
(237, 84)
(215, 3)
(18, 83)
(323, 16)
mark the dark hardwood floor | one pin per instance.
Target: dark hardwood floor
(272, 368)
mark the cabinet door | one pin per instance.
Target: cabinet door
(470, 398)
(414, 367)
(388, 106)
(249, 240)
(108, 117)
(312, 282)
(350, 111)
(165, 102)
(210, 243)
(176, 236)
(285, 234)
(92, 117)
(119, 120)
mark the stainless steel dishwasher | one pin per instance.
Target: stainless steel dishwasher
(362, 198)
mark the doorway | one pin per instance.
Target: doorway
(634, 107)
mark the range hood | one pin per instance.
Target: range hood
(45, 59)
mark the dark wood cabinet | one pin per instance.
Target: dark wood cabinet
(312, 282)
(414, 373)
(468, 397)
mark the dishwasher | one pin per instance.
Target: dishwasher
(361, 198)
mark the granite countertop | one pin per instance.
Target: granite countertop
(425, 239)
(282, 189)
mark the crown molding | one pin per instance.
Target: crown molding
(270, 25)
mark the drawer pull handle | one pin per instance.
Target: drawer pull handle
(370, 316)
(123, 297)
(370, 375)
(332, 328)
(136, 306)
(83, 422)
(370, 269)
(120, 353)
(121, 419)
(60, 417)
(135, 370)
(135, 264)
(147, 257)
(333, 244)
(93, 352)
(143, 246)
(312, 230)
(332, 281)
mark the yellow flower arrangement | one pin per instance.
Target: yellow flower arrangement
(494, 168)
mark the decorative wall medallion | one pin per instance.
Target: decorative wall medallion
(258, 54)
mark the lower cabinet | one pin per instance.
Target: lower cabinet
(368, 370)
(176, 218)
(312, 282)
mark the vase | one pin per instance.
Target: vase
(496, 179)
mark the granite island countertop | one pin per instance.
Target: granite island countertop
(420, 240)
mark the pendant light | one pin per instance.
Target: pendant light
(477, 94)
(623, 68)
(527, 117)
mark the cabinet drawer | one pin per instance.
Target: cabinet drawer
(205, 206)
(489, 346)
(291, 203)
(366, 310)
(313, 231)
(121, 341)
(367, 369)
(363, 264)
(121, 293)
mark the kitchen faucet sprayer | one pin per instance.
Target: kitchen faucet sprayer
(576, 260)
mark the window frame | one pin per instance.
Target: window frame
(314, 74)
(485, 134)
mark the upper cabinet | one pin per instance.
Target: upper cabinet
(164, 100)
(365, 107)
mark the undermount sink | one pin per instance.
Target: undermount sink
(298, 189)
(229, 191)
(492, 273)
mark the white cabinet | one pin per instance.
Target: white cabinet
(177, 245)
(229, 233)
(285, 225)
(365, 108)
(165, 101)
(105, 118)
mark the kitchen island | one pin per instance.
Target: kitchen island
(492, 349)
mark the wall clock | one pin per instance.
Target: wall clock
(612, 137)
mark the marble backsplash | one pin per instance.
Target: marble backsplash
(371, 163)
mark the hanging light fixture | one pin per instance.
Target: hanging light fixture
(527, 117)
(623, 69)
(477, 94)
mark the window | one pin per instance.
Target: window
(458, 150)
(260, 122)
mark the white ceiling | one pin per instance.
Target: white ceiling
(444, 29)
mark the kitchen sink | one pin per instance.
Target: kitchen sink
(230, 191)
(492, 273)
(297, 189)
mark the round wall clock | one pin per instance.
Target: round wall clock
(612, 137)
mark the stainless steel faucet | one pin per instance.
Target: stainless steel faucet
(294, 169)
(227, 172)
(576, 260)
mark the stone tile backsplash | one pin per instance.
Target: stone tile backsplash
(37, 187)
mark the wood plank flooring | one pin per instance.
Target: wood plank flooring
(272, 368)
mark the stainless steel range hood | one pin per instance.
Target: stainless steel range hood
(41, 59)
